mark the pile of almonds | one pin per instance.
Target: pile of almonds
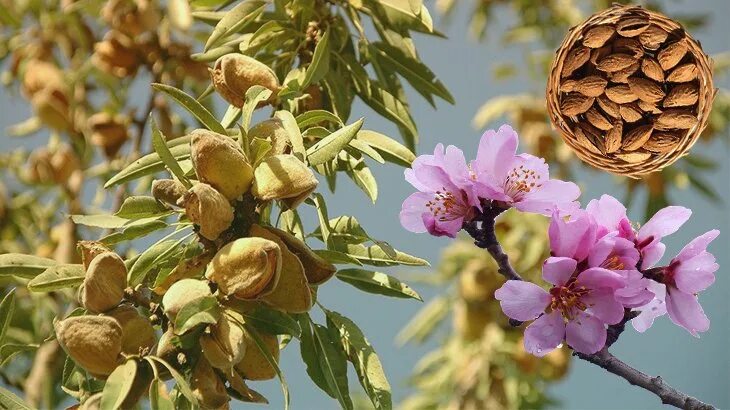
(628, 87)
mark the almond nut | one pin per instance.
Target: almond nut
(615, 62)
(682, 96)
(661, 142)
(614, 136)
(675, 118)
(630, 112)
(621, 94)
(672, 54)
(636, 138)
(597, 119)
(575, 60)
(652, 69)
(684, 73)
(632, 27)
(597, 36)
(653, 37)
(608, 106)
(574, 104)
(646, 90)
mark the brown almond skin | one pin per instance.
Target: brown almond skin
(608, 106)
(591, 86)
(168, 191)
(254, 365)
(653, 37)
(246, 268)
(683, 73)
(138, 335)
(631, 27)
(597, 119)
(574, 104)
(670, 55)
(615, 62)
(635, 157)
(636, 138)
(661, 142)
(575, 60)
(208, 209)
(622, 76)
(681, 96)
(675, 118)
(234, 74)
(652, 69)
(614, 137)
(621, 94)
(597, 36)
(316, 268)
(630, 112)
(646, 90)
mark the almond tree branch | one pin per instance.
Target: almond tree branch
(481, 228)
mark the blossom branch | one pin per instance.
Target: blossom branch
(481, 228)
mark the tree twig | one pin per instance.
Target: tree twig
(481, 228)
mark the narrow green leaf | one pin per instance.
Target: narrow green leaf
(390, 107)
(192, 106)
(151, 163)
(374, 255)
(8, 350)
(8, 400)
(329, 147)
(23, 266)
(315, 117)
(158, 143)
(273, 322)
(100, 221)
(367, 150)
(254, 96)
(319, 66)
(152, 257)
(133, 232)
(337, 258)
(361, 175)
(377, 283)
(136, 207)
(333, 365)
(321, 206)
(57, 277)
(292, 223)
(182, 384)
(392, 150)
(232, 115)
(400, 14)
(118, 385)
(7, 309)
(365, 360)
(234, 20)
(205, 310)
(414, 71)
(292, 130)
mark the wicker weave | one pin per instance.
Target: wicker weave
(646, 143)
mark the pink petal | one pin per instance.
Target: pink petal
(496, 151)
(553, 193)
(636, 293)
(571, 239)
(596, 278)
(608, 211)
(697, 245)
(651, 310)
(602, 305)
(412, 210)
(696, 274)
(665, 222)
(684, 309)
(601, 250)
(486, 188)
(437, 227)
(586, 334)
(651, 254)
(455, 166)
(522, 300)
(545, 334)
(557, 270)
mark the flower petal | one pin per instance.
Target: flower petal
(557, 270)
(412, 210)
(665, 222)
(684, 309)
(697, 245)
(496, 151)
(573, 238)
(545, 334)
(522, 300)
(652, 310)
(437, 227)
(586, 334)
(696, 274)
(602, 305)
(608, 212)
(651, 254)
(597, 278)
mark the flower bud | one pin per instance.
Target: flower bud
(168, 191)
(292, 293)
(208, 388)
(208, 209)
(104, 283)
(181, 293)
(90, 250)
(116, 55)
(272, 130)
(246, 268)
(254, 365)
(234, 74)
(93, 342)
(283, 177)
(316, 268)
(51, 106)
(109, 132)
(138, 335)
(223, 345)
(219, 162)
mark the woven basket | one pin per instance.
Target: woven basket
(630, 90)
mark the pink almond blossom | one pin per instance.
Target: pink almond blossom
(445, 198)
(688, 273)
(522, 181)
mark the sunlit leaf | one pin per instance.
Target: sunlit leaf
(329, 147)
(320, 64)
(377, 283)
(205, 310)
(192, 106)
(57, 277)
(118, 385)
(23, 266)
(315, 117)
(8, 400)
(292, 130)
(7, 309)
(182, 384)
(136, 207)
(390, 149)
(234, 20)
(273, 322)
(158, 143)
(151, 163)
